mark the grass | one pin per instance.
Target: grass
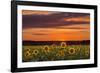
(54, 52)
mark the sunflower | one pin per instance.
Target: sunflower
(35, 52)
(46, 49)
(27, 55)
(63, 44)
(26, 49)
(77, 49)
(60, 54)
(86, 53)
(71, 51)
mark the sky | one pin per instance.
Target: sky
(55, 26)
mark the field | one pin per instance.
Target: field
(32, 53)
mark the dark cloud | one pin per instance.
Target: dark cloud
(52, 20)
(35, 33)
(39, 34)
(70, 28)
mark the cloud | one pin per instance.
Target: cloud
(82, 19)
(44, 19)
(33, 33)
(70, 28)
(39, 34)
(31, 12)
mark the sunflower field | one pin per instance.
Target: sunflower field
(55, 52)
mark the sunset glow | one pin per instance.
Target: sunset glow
(55, 26)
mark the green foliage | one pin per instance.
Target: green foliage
(54, 53)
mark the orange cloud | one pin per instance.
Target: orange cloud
(53, 34)
(83, 19)
(31, 12)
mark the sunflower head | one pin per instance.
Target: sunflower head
(26, 49)
(86, 53)
(46, 49)
(27, 55)
(60, 54)
(63, 44)
(77, 49)
(71, 51)
(35, 52)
